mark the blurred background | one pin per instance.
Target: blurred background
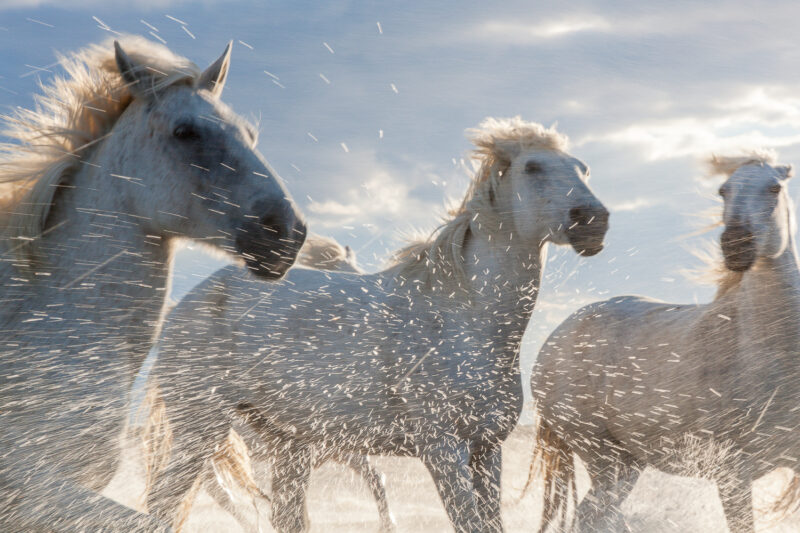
(362, 109)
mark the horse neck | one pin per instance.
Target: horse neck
(505, 275)
(108, 277)
(769, 299)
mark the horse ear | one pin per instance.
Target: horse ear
(213, 78)
(350, 256)
(135, 76)
(785, 171)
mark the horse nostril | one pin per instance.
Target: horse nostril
(576, 214)
(585, 215)
(736, 235)
(275, 225)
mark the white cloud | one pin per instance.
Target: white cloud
(377, 199)
(82, 4)
(633, 205)
(520, 32)
(760, 118)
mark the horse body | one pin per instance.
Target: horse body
(632, 382)
(232, 465)
(420, 359)
(87, 242)
(377, 336)
(341, 386)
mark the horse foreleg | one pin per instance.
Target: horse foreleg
(614, 474)
(361, 464)
(291, 473)
(49, 503)
(486, 466)
(194, 440)
(735, 491)
(448, 463)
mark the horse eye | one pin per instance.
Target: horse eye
(721, 192)
(185, 132)
(532, 167)
(775, 189)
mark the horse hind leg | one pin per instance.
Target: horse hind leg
(735, 491)
(230, 468)
(194, 439)
(362, 466)
(614, 473)
(291, 473)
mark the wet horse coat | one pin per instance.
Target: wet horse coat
(231, 464)
(98, 186)
(420, 359)
(631, 382)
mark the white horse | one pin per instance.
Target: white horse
(420, 359)
(129, 152)
(631, 382)
(231, 464)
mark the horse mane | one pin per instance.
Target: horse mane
(322, 252)
(436, 262)
(71, 114)
(715, 270)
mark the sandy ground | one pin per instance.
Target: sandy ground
(340, 502)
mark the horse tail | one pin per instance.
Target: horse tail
(789, 500)
(554, 461)
(232, 465)
(156, 436)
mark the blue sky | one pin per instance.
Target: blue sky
(643, 91)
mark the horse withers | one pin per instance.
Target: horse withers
(420, 359)
(128, 152)
(631, 382)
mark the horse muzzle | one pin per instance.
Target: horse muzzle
(738, 248)
(587, 229)
(269, 243)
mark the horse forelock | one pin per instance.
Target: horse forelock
(497, 142)
(437, 261)
(73, 112)
(728, 164)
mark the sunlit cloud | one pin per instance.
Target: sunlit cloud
(758, 119)
(378, 198)
(82, 4)
(632, 205)
(520, 32)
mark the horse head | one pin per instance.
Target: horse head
(757, 212)
(542, 188)
(190, 167)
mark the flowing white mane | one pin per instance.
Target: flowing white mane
(437, 262)
(71, 114)
(322, 252)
